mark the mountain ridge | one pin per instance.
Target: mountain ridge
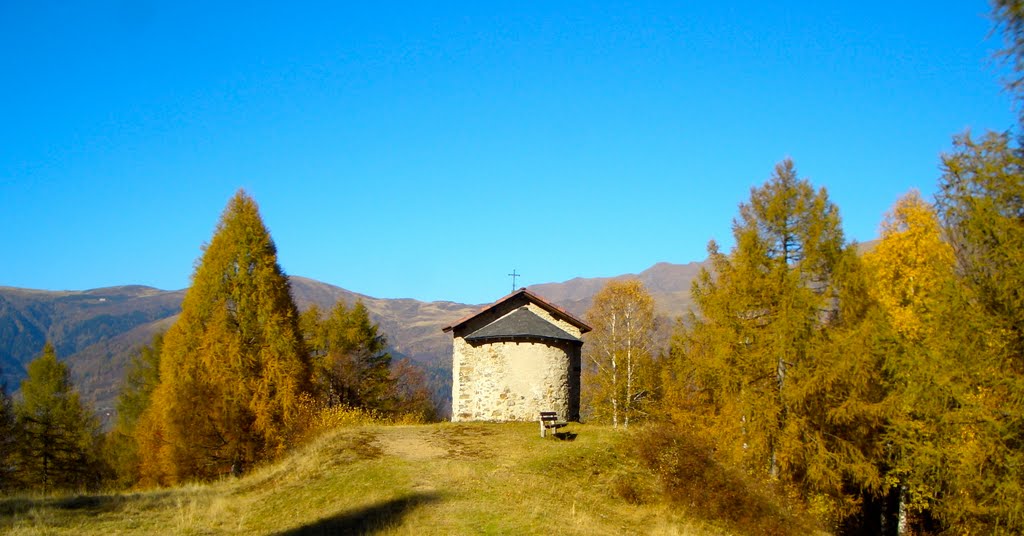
(96, 330)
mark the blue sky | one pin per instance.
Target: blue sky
(407, 150)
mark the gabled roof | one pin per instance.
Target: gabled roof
(555, 311)
(520, 323)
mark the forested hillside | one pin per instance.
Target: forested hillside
(96, 331)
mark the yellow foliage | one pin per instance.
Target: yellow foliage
(910, 265)
(619, 353)
(319, 417)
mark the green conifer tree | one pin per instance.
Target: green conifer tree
(413, 397)
(233, 368)
(351, 364)
(8, 441)
(58, 437)
(141, 377)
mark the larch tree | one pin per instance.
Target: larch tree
(758, 310)
(619, 352)
(861, 405)
(833, 446)
(981, 205)
(911, 276)
(233, 367)
(1009, 19)
(981, 202)
(58, 435)
(910, 266)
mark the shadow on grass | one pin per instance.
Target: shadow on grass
(369, 520)
(10, 506)
(565, 436)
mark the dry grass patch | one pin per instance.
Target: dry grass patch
(402, 479)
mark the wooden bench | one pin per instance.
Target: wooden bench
(549, 421)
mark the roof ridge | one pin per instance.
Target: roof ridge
(521, 322)
(550, 307)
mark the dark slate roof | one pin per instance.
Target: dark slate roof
(521, 323)
(555, 311)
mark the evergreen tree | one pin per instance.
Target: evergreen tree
(233, 368)
(141, 378)
(8, 443)
(350, 360)
(619, 352)
(58, 437)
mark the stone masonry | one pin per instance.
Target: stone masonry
(518, 367)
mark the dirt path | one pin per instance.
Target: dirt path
(427, 443)
(410, 444)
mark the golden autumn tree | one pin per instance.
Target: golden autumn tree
(619, 352)
(781, 366)
(910, 266)
(758, 311)
(833, 446)
(981, 206)
(233, 368)
(911, 277)
(862, 406)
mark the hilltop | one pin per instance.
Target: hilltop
(418, 479)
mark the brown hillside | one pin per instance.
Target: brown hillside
(97, 330)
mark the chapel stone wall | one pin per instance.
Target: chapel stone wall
(515, 380)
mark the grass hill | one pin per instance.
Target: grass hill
(450, 478)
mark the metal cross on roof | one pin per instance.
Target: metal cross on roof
(514, 275)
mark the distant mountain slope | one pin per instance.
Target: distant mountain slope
(669, 285)
(98, 369)
(96, 331)
(73, 321)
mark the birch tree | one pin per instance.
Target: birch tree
(619, 352)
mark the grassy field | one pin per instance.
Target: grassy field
(419, 479)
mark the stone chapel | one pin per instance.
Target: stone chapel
(515, 358)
